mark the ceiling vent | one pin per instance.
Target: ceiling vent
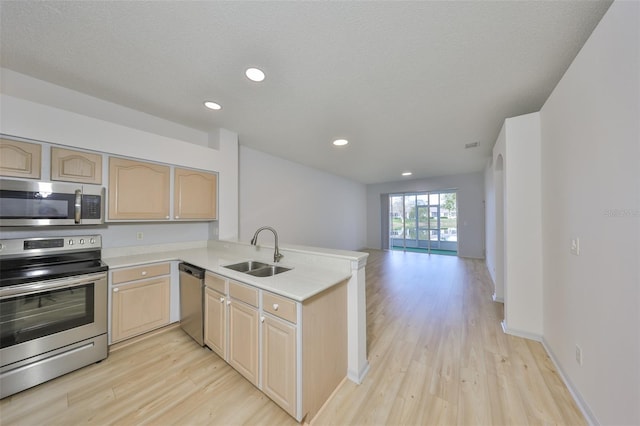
(471, 145)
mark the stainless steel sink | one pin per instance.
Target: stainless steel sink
(246, 266)
(257, 269)
(268, 271)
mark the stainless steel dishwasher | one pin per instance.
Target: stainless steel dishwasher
(192, 301)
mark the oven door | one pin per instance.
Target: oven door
(43, 316)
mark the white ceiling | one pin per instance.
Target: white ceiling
(408, 83)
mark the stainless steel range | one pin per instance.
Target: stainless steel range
(53, 308)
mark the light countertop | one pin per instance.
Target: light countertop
(303, 281)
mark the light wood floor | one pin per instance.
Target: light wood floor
(436, 349)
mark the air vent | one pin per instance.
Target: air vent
(471, 145)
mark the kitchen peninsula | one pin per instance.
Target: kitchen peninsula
(318, 303)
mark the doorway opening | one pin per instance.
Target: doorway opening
(424, 222)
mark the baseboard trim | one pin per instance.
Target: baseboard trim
(497, 299)
(577, 397)
(357, 378)
(520, 333)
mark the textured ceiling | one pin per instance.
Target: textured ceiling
(408, 83)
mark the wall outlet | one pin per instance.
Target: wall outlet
(139, 236)
(575, 246)
(579, 355)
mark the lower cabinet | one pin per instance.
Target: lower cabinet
(215, 322)
(244, 349)
(140, 300)
(296, 353)
(279, 366)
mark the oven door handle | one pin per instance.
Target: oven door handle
(42, 286)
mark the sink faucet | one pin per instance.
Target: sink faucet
(276, 254)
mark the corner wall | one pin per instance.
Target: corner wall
(490, 222)
(514, 236)
(591, 191)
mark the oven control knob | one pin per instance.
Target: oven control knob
(92, 241)
(1, 246)
(70, 242)
(81, 241)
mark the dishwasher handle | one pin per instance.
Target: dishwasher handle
(191, 270)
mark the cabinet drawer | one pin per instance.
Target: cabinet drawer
(215, 282)
(279, 306)
(242, 292)
(140, 272)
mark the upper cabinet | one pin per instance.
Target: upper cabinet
(76, 166)
(20, 159)
(195, 194)
(138, 190)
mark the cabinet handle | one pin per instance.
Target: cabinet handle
(115, 290)
(222, 300)
(275, 306)
(177, 217)
(261, 319)
(143, 273)
(166, 217)
(228, 302)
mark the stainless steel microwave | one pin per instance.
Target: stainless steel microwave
(29, 203)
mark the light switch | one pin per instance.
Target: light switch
(575, 246)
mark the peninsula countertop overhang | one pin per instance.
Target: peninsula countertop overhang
(307, 276)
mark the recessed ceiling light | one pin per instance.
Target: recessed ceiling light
(340, 142)
(406, 173)
(254, 74)
(212, 105)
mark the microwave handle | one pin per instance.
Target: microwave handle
(78, 206)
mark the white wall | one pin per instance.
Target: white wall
(523, 224)
(306, 206)
(495, 181)
(591, 190)
(470, 197)
(514, 242)
(24, 114)
(490, 221)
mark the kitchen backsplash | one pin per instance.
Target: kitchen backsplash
(125, 234)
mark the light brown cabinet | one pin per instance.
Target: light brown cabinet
(76, 166)
(243, 338)
(195, 194)
(20, 159)
(278, 344)
(279, 364)
(215, 322)
(215, 314)
(140, 300)
(138, 190)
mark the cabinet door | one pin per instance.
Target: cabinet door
(195, 194)
(243, 340)
(20, 159)
(215, 322)
(138, 190)
(76, 166)
(279, 362)
(139, 307)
